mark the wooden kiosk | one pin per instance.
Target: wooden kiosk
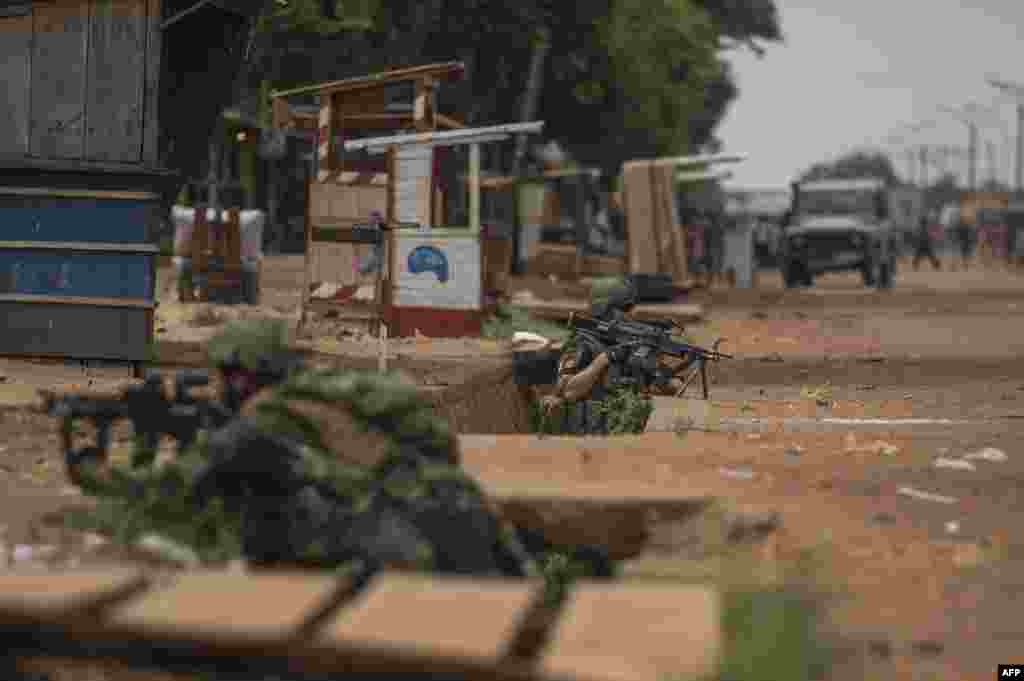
(433, 279)
(344, 191)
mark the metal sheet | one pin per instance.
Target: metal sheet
(413, 170)
(58, 79)
(15, 41)
(98, 275)
(94, 220)
(117, 62)
(79, 331)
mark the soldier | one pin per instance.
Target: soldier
(586, 400)
(327, 468)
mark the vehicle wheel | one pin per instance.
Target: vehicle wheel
(807, 279)
(869, 272)
(792, 274)
(886, 273)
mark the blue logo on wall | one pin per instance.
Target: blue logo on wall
(429, 259)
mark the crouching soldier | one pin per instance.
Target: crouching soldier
(589, 398)
(322, 468)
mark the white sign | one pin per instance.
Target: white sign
(441, 272)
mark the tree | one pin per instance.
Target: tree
(859, 164)
(621, 78)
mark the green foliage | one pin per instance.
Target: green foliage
(662, 52)
(627, 411)
(308, 16)
(855, 165)
(507, 319)
(770, 635)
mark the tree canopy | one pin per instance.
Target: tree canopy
(858, 164)
(622, 78)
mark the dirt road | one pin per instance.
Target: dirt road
(884, 427)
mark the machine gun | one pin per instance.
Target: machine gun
(150, 411)
(647, 340)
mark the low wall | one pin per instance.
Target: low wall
(489, 403)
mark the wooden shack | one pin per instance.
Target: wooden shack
(345, 189)
(434, 277)
(88, 170)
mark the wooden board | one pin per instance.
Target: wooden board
(80, 331)
(30, 595)
(480, 629)
(479, 619)
(636, 632)
(58, 79)
(117, 63)
(560, 310)
(223, 606)
(643, 255)
(15, 42)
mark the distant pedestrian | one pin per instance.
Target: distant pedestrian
(925, 247)
(963, 239)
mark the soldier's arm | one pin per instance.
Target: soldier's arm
(573, 385)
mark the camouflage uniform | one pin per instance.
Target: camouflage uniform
(607, 408)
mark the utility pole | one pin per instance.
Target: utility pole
(972, 144)
(1017, 91)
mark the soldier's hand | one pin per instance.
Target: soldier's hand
(619, 353)
(550, 403)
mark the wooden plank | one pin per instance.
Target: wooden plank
(15, 48)
(151, 87)
(347, 235)
(49, 595)
(58, 79)
(375, 80)
(449, 122)
(77, 193)
(81, 246)
(636, 632)
(86, 275)
(560, 310)
(473, 619)
(86, 331)
(643, 257)
(76, 300)
(116, 70)
(217, 606)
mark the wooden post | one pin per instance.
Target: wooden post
(474, 188)
(325, 143)
(308, 240)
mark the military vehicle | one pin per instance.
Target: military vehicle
(842, 225)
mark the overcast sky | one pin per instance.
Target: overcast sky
(854, 72)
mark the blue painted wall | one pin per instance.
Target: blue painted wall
(101, 275)
(91, 220)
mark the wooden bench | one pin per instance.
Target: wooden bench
(308, 623)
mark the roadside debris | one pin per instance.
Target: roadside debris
(745, 526)
(773, 357)
(926, 496)
(794, 451)
(954, 464)
(162, 548)
(822, 394)
(737, 473)
(988, 454)
(878, 447)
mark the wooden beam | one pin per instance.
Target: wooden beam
(424, 105)
(448, 122)
(377, 80)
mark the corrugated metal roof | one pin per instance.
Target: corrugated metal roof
(447, 138)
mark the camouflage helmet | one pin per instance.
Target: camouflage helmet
(251, 344)
(612, 294)
(252, 354)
